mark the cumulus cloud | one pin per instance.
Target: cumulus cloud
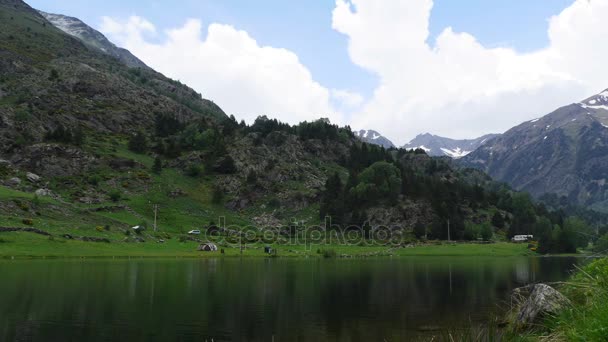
(229, 67)
(347, 98)
(457, 87)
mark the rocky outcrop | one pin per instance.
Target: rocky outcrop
(537, 303)
(29, 230)
(53, 160)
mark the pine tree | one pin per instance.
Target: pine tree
(158, 166)
(332, 200)
(138, 143)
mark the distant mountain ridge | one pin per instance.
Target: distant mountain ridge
(564, 153)
(439, 146)
(372, 137)
(92, 38)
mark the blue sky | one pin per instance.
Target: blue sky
(497, 67)
(305, 26)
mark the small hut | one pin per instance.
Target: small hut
(207, 247)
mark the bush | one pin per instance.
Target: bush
(115, 196)
(486, 232)
(22, 205)
(28, 221)
(158, 166)
(601, 245)
(94, 180)
(252, 177)
(99, 228)
(138, 143)
(218, 195)
(329, 253)
(36, 201)
(194, 170)
(471, 231)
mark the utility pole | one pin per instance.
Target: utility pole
(155, 214)
(449, 230)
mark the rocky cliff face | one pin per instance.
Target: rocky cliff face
(92, 38)
(563, 153)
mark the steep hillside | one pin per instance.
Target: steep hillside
(563, 153)
(49, 79)
(439, 146)
(92, 38)
(372, 137)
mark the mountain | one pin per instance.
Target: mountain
(51, 80)
(372, 137)
(89, 144)
(563, 155)
(92, 38)
(439, 146)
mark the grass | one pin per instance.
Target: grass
(24, 245)
(498, 249)
(587, 319)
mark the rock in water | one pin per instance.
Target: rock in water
(543, 301)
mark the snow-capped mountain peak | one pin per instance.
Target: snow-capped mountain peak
(439, 146)
(599, 101)
(372, 137)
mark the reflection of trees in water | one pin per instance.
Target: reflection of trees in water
(256, 299)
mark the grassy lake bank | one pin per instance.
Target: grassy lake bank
(28, 245)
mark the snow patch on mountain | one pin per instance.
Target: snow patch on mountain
(372, 137)
(439, 146)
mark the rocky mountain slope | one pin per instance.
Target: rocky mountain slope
(49, 79)
(439, 146)
(564, 153)
(372, 137)
(84, 135)
(92, 38)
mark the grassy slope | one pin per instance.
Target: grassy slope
(176, 217)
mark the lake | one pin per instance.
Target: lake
(256, 299)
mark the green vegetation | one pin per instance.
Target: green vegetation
(587, 319)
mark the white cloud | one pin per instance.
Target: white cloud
(231, 68)
(456, 86)
(347, 98)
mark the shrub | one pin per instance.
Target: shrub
(158, 166)
(194, 170)
(329, 253)
(471, 231)
(36, 201)
(28, 221)
(99, 228)
(217, 197)
(138, 143)
(22, 205)
(94, 180)
(54, 75)
(486, 232)
(252, 177)
(115, 196)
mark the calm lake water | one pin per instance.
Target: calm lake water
(395, 299)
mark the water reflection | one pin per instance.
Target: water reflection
(256, 299)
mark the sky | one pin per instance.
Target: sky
(459, 69)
